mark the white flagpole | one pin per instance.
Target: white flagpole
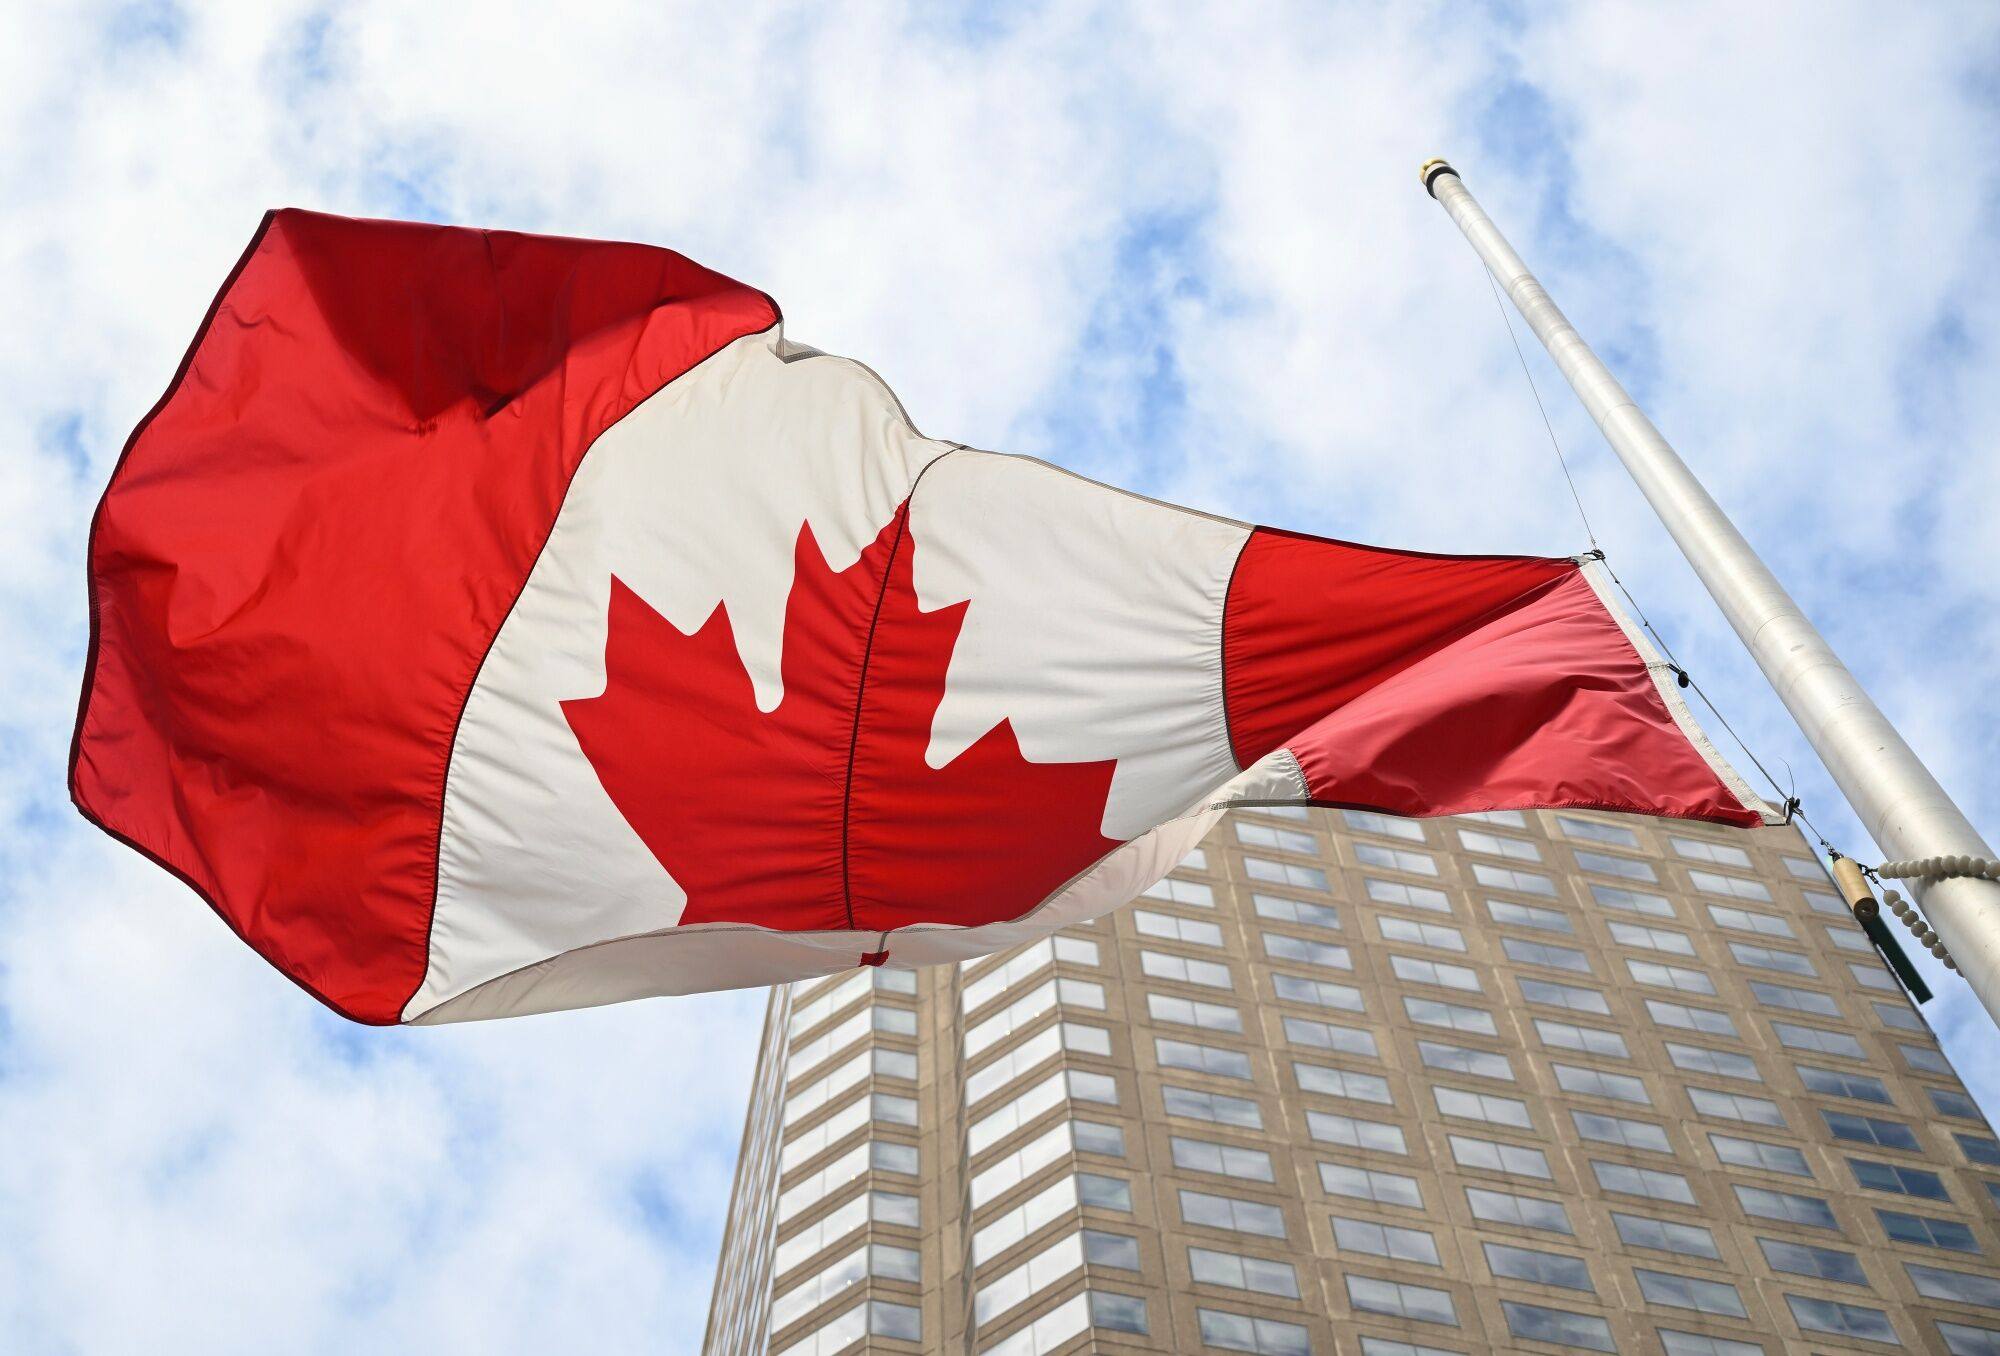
(1892, 792)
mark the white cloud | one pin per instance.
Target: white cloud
(1186, 250)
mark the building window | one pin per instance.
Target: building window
(1211, 1106)
(1651, 1183)
(1927, 1232)
(1897, 1178)
(1802, 1259)
(1354, 1133)
(1597, 831)
(1192, 1012)
(1870, 1130)
(1670, 977)
(1452, 1016)
(1259, 1274)
(1542, 1268)
(1610, 864)
(1093, 1137)
(1199, 1155)
(1980, 1149)
(1796, 1000)
(1285, 873)
(1271, 836)
(1348, 1040)
(1842, 1320)
(1598, 1083)
(1786, 1206)
(1507, 878)
(1715, 854)
(1743, 920)
(1106, 1193)
(1005, 1173)
(1208, 1059)
(1691, 1019)
(1721, 1063)
(1652, 939)
(1729, 887)
(1676, 1343)
(1387, 826)
(1486, 1154)
(1357, 1087)
(1227, 1212)
(1569, 996)
(1020, 1013)
(1044, 1269)
(1847, 939)
(1663, 1235)
(1420, 1303)
(1048, 1332)
(1189, 930)
(1950, 1102)
(1319, 992)
(1174, 891)
(1408, 895)
(1414, 970)
(1526, 1212)
(1395, 859)
(1510, 914)
(992, 983)
(1587, 1040)
(1512, 819)
(1240, 1332)
(1631, 901)
(1005, 1230)
(1898, 1015)
(1736, 1106)
(1461, 1060)
(1686, 1292)
(834, 1335)
(1117, 1313)
(1525, 952)
(1770, 958)
(1483, 1106)
(1296, 911)
(1961, 1339)
(1558, 1327)
(1956, 1287)
(1278, 946)
(1802, 868)
(1818, 1041)
(1370, 1184)
(1499, 845)
(1755, 1153)
(1160, 965)
(1618, 1130)
(1925, 1059)
(1419, 933)
(1836, 1083)
(1102, 1249)
(1384, 1240)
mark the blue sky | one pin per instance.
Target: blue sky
(1185, 253)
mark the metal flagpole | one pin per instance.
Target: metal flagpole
(1892, 792)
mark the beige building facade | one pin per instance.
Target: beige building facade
(1548, 1081)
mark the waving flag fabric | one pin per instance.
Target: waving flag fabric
(486, 623)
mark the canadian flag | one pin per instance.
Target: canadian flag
(488, 623)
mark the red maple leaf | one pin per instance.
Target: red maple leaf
(822, 813)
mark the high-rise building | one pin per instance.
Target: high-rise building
(1545, 1081)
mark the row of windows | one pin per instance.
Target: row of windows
(1429, 1304)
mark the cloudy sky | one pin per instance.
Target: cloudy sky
(1188, 254)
